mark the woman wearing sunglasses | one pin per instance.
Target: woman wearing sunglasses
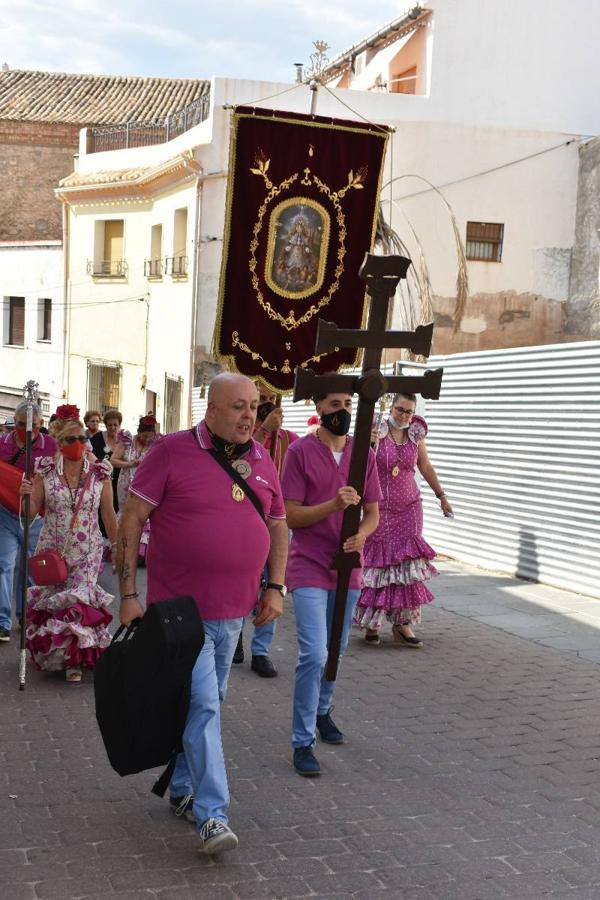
(67, 623)
(397, 559)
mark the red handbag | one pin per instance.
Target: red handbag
(49, 567)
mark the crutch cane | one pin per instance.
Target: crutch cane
(28, 393)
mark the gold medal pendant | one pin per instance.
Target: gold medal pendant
(237, 493)
(395, 472)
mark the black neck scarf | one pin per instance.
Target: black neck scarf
(229, 449)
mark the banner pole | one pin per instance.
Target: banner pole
(28, 393)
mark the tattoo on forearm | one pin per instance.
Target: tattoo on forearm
(124, 566)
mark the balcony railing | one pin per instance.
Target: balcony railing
(153, 268)
(176, 265)
(155, 131)
(107, 268)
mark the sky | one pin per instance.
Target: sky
(257, 39)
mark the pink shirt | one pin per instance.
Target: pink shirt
(312, 476)
(45, 445)
(203, 543)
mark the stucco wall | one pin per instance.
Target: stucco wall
(491, 321)
(584, 294)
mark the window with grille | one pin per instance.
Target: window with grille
(15, 330)
(154, 265)
(44, 319)
(484, 241)
(109, 261)
(177, 264)
(173, 395)
(103, 386)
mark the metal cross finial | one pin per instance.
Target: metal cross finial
(318, 61)
(30, 391)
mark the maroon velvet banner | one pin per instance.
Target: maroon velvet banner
(301, 213)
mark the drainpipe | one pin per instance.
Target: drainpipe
(66, 303)
(195, 294)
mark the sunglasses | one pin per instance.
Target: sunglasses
(73, 439)
(404, 412)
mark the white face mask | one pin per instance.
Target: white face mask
(401, 426)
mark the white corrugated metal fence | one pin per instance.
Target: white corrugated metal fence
(515, 439)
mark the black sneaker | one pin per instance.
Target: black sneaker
(238, 656)
(182, 807)
(4, 635)
(305, 762)
(216, 837)
(263, 666)
(328, 730)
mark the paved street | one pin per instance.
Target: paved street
(471, 771)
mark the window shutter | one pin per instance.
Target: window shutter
(17, 321)
(47, 320)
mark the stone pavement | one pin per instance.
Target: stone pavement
(471, 771)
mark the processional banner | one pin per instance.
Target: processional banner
(301, 213)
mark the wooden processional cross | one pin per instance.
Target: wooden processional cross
(381, 274)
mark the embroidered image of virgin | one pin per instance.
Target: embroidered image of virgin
(297, 248)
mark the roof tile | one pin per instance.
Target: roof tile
(29, 96)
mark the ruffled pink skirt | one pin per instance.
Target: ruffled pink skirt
(67, 630)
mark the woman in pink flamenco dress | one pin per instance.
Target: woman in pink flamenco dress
(67, 624)
(397, 559)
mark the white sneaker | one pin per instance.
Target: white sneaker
(183, 807)
(216, 837)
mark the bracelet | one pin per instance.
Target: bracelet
(440, 495)
(133, 596)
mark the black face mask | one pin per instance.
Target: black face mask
(337, 422)
(264, 409)
(229, 448)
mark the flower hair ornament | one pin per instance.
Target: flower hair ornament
(67, 411)
(147, 423)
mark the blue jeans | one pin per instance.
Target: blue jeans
(11, 544)
(312, 693)
(262, 638)
(200, 769)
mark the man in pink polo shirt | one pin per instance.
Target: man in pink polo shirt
(316, 492)
(209, 542)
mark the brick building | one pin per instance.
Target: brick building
(41, 114)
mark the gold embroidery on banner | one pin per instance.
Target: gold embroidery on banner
(286, 367)
(235, 340)
(297, 246)
(261, 165)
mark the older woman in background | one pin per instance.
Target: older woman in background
(67, 623)
(92, 420)
(127, 456)
(105, 443)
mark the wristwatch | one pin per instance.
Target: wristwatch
(270, 585)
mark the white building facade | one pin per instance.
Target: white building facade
(33, 323)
